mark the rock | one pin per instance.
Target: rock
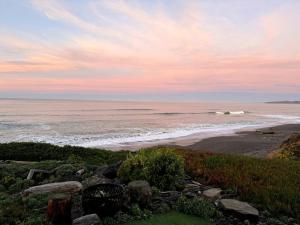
(94, 180)
(70, 187)
(140, 192)
(268, 132)
(212, 194)
(33, 173)
(241, 209)
(190, 194)
(91, 219)
(80, 172)
(112, 170)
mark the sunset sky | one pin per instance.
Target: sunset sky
(185, 50)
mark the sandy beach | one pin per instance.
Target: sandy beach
(257, 143)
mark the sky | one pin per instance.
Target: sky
(150, 50)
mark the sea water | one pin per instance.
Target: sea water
(122, 125)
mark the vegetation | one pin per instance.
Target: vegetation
(29, 151)
(196, 206)
(171, 218)
(290, 149)
(162, 167)
(273, 184)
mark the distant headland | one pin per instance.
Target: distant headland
(284, 102)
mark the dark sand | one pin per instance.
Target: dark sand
(254, 143)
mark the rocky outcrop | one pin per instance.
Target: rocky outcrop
(69, 187)
(91, 219)
(241, 209)
(140, 192)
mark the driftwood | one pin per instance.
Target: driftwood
(69, 187)
(59, 209)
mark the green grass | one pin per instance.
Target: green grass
(171, 218)
(272, 184)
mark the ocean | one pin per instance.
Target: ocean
(126, 125)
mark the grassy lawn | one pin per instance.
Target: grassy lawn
(172, 218)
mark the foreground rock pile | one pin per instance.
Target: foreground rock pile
(70, 202)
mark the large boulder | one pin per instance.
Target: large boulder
(212, 194)
(140, 192)
(241, 209)
(108, 171)
(91, 219)
(69, 187)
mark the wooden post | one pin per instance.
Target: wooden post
(59, 209)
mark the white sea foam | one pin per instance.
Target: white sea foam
(208, 129)
(231, 113)
(296, 119)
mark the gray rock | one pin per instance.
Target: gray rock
(94, 180)
(69, 187)
(239, 208)
(140, 192)
(80, 172)
(212, 194)
(91, 219)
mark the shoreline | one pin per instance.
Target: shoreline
(246, 141)
(258, 143)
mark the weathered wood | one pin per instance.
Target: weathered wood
(33, 172)
(59, 209)
(69, 187)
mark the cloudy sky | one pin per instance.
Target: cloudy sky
(140, 49)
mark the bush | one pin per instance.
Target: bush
(161, 167)
(165, 169)
(196, 206)
(272, 184)
(133, 168)
(65, 170)
(29, 151)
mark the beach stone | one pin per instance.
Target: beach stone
(242, 209)
(212, 194)
(33, 173)
(140, 191)
(91, 219)
(69, 187)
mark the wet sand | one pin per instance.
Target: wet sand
(257, 143)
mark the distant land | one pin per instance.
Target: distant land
(284, 102)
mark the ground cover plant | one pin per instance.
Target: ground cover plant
(161, 167)
(171, 218)
(272, 184)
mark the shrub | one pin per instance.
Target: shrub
(133, 168)
(65, 170)
(36, 220)
(20, 185)
(272, 184)
(8, 181)
(165, 169)
(161, 167)
(195, 206)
